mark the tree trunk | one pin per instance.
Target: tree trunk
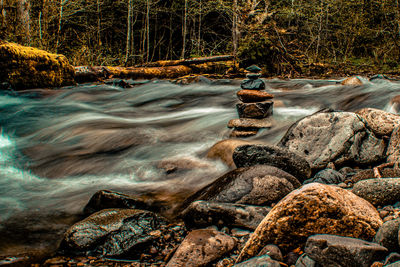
(147, 30)
(60, 18)
(235, 30)
(128, 32)
(24, 17)
(184, 30)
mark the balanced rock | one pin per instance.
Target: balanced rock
(387, 235)
(260, 261)
(251, 96)
(253, 84)
(332, 250)
(249, 155)
(201, 247)
(247, 123)
(112, 233)
(338, 137)
(378, 121)
(256, 185)
(352, 81)
(254, 68)
(258, 110)
(327, 176)
(379, 192)
(313, 209)
(241, 133)
(203, 213)
(393, 148)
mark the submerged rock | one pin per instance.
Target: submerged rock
(313, 209)
(380, 122)
(379, 191)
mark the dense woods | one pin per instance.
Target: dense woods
(284, 36)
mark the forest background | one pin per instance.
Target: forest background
(286, 37)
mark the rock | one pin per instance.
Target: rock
(369, 174)
(243, 133)
(201, 247)
(258, 110)
(332, 250)
(254, 68)
(26, 67)
(251, 96)
(112, 233)
(305, 261)
(223, 150)
(253, 76)
(327, 176)
(273, 251)
(338, 137)
(394, 104)
(246, 123)
(378, 121)
(260, 261)
(387, 235)
(352, 81)
(249, 155)
(259, 185)
(394, 264)
(379, 192)
(250, 84)
(203, 213)
(173, 165)
(393, 257)
(393, 148)
(291, 258)
(313, 209)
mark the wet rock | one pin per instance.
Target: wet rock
(260, 261)
(387, 235)
(313, 209)
(338, 137)
(247, 123)
(112, 233)
(259, 185)
(250, 84)
(254, 68)
(378, 121)
(379, 192)
(305, 261)
(251, 96)
(243, 133)
(174, 165)
(393, 148)
(352, 81)
(393, 257)
(249, 155)
(203, 213)
(253, 76)
(258, 110)
(273, 251)
(332, 250)
(201, 247)
(327, 176)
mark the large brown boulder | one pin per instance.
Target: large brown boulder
(380, 122)
(26, 67)
(313, 209)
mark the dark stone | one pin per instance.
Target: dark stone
(273, 251)
(257, 110)
(331, 250)
(254, 68)
(250, 84)
(260, 261)
(379, 192)
(387, 235)
(305, 261)
(203, 213)
(291, 258)
(249, 155)
(327, 176)
(392, 258)
(253, 76)
(118, 83)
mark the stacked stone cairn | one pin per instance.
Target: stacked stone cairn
(255, 106)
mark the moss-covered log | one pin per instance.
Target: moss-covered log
(26, 67)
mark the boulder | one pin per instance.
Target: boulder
(313, 209)
(251, 84)
(112, 233)
(355, 81)
(251, 96)
(26, 67)
(332, 250)
(378, 121)
(379, 191)
(305, 261)
(249, 155)
(330, 136)
(387, 235)
(203, 213)
(259, 185)
(393, 148)
(258, 110)
(201, 247)
(273, 251)
(327, 176)
(251, 124)
(260, 261)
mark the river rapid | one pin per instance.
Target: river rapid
(58, 148)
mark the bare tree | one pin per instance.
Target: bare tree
(184, 30)
(128, 31)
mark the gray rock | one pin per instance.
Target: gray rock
(393, 148)
(331, 250)
(273, 251)
(392, 258)
(201, 247)
(250, 84)
(261, 261)
(203, 213)
(387, 235)
(259, 185)
(249, 155)
(305, 261)
(257, 110)
(331, 136)
(327, 176)
(112, 233)
(254, 68)
(379, 191)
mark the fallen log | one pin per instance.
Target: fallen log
(187, 62)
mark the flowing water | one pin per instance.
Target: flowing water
(58, 148)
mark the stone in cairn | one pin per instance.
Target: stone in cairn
(254, 108)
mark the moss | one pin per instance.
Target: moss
(26, 67)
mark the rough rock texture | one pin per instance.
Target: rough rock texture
(393, 148)
(387, 235)
(339, 251)
(203, 213)
(112, 233)
(337, 137)
(26, 67)
(394, 264)
(393, 257)
(379, 192)
(243, 133)
(201, 247)
(249, 155)
(369, 174)
(256, 185)
(378, 121)
(260, 261)
(352, 81)
(251, 84)
(327, 176)
(251, 96)
(247, 123)
(313, 209)
(273, 251)
(258, 110)
(305, 261)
